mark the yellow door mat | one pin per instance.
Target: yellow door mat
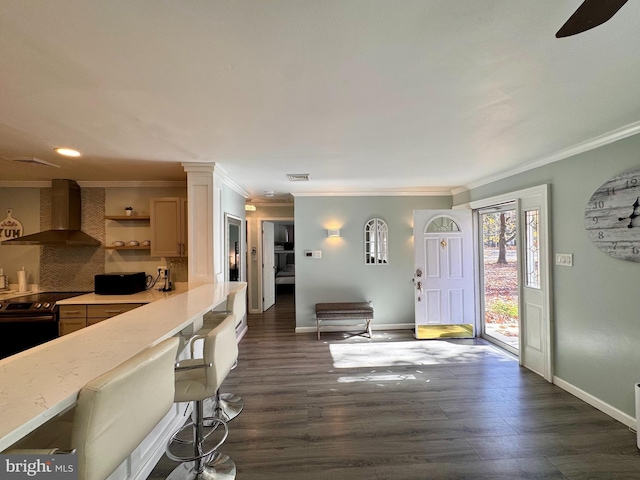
(462, 330)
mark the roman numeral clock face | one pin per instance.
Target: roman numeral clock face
(612, 217)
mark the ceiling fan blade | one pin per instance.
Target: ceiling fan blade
(590, 14)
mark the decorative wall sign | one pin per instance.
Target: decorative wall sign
(612, 217)
(10, 227)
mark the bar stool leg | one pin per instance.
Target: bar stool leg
(228, 406)
(212, 466)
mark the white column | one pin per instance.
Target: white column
(206, 235)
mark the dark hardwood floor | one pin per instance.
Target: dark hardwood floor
(395, 408)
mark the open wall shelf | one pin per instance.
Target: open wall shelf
(125, 218)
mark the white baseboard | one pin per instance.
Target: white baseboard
(346, 328)
(613, 412)
(242, 333)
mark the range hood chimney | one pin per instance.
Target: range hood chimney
(65, 219)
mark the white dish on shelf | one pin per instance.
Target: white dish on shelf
(146, 243)
(133, 243)
(118, 243)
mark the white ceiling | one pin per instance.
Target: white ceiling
(364, 95)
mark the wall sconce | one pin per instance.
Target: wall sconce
(333, 232)
(250, 208)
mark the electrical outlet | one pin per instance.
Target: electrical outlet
(161, 270)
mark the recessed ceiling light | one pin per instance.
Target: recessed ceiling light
(67, 152)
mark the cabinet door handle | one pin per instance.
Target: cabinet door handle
(113, 311)
(71, 311)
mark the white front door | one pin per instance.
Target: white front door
(535, 325)
(268, 267)
(443, 273)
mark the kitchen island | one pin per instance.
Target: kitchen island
(43, 382)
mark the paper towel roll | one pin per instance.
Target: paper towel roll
(22, 281)
(638, 414)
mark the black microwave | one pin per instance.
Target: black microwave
(120, 283)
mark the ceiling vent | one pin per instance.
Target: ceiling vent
(34, 161)
(298, 177)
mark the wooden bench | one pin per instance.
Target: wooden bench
(350, 312)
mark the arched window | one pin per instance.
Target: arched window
(376, 242)
(442, 224)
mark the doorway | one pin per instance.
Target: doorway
(531, 241)
(443, 274)
(276, 262)
(499, 276)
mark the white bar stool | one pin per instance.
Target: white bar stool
(227, 405)
(114, 413)
(195, 381)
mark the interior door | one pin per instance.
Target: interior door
(535, 323)
(268, 267)
(443, 274)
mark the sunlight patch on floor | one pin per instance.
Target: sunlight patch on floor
(386, 354)
(375, 378)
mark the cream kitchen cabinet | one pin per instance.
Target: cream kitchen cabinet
(72, 318)
(75, 317)
(168, 227)
(98, 313)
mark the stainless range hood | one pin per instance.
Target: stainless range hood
(65, 220)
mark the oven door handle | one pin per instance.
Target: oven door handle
(27, 318)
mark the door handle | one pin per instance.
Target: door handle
(419, 286)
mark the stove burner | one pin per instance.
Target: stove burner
(34, 303)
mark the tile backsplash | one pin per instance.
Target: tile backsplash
(73, 268)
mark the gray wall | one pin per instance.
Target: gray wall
(341, 275)
(596, 303)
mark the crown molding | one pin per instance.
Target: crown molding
(219, 171)
(446, 191)
(271, 204)
(596, 142)
(96, 184)
(222, 173)
(132, 184)
(25, 184)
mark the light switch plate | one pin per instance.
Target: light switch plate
(564, 259)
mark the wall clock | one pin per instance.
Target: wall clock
(612, 217)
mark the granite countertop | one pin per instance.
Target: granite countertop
(12, 291)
